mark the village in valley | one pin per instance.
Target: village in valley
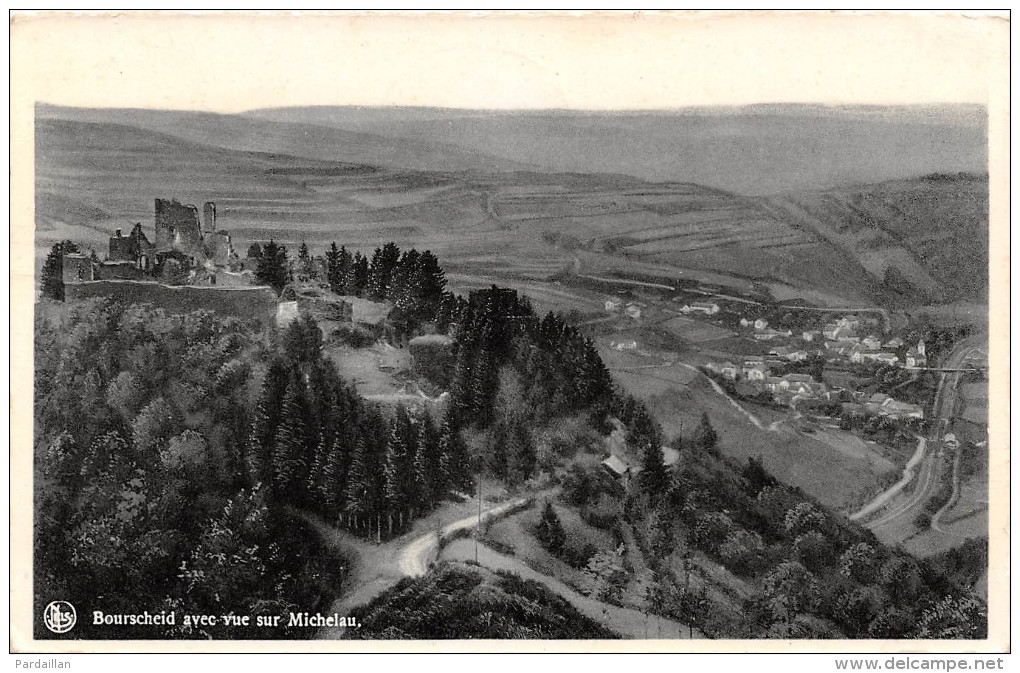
(824, 372)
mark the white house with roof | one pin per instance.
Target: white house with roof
(768, 334)
(708, 308)
(613, 304)
(761, 323)
(916, 356)
(623, 468)
(884, 405)
(617, 466)
(757, 372)
(633, 311)
(871, 342)
(887, 358)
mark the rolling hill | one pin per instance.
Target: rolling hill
(507, 225)
(307, 140)
(753, 150)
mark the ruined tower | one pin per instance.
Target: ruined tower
(77, 268)
(177, 226)
(209, 216)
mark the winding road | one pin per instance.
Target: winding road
(418, 555)
(884, 497)
(930, 473)
(381, 567)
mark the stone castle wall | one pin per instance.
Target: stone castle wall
(247, 303)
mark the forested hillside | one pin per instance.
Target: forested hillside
(173, 453)
(463, 601)
(143, 498)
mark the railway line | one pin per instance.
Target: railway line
(930, 472)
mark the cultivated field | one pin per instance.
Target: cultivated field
(695, 331)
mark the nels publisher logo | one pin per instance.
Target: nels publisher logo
(60, 617)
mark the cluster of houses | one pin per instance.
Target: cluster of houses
(762, 331)
(630, 309)
(880, 404)
(840, 340)
(801, 391)
(845, 339)
(792, 389)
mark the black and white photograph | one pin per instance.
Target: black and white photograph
(500, 365)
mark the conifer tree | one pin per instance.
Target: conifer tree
(384, 263)
(397, 470)
(421, 478)
(333, 270)
(434, 479)
(331, 483)
(498, 458)
(361, 273)
(264, 424)
(348, 269)
(273, 268)
(52, 274)
(288, 458)
(653, 475)
(549, 530)
(432, 283)
(314, 484)
(405, 283)
(455, 457)
(358, 491)
(705, 436)
(521, 452)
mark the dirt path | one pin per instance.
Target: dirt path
(377, 567)
(623, 281)
(755, 421)
(418, 555)
(636, 592)
(908, 475)
(627, 622)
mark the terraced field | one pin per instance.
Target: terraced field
(504, 219)
(933, 230)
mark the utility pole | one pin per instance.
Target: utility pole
(478, 528)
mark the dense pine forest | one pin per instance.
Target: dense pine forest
(170, 447)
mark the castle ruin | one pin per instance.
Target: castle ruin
(187, 249)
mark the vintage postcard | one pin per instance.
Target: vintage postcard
(654, 332)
